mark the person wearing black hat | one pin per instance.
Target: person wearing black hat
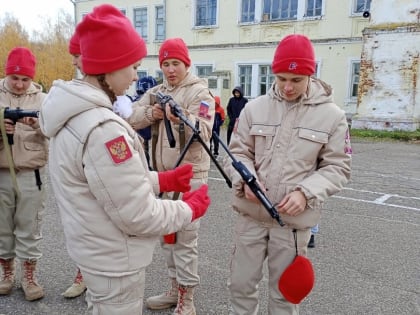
(295, 141)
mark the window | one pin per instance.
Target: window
(355, 75)
(140, 22)
(317, 70)
(203, 71)
(123, 11)
(245, 77)
(159, 76)
(205, 14)
(141, 74)
(313, 7)
(265, 79)
(160, 31)
(361, 6)
(280, 10)
(248, 11)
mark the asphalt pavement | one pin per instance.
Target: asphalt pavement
(366, 257)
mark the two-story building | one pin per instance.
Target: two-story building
(232, 42)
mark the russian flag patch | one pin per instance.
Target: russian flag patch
(204, 110)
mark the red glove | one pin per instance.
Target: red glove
(198, 200)
(177, 179)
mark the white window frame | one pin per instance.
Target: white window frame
(142, 29)
(194, 13)
(353, 79)
(269, 75)
(313, 8)
(270, 18)
(257, 11)
(158, 22)
(365, 6)
(260, 17)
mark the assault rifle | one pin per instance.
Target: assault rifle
(177, 111)
(163, 99)
(15, 114)
(252, 183)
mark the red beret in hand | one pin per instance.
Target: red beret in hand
(177, 179)
(198, 200)
(297, 280)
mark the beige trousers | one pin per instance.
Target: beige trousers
(254, 243)
(21, 215)
(182, 257)
(115, 295)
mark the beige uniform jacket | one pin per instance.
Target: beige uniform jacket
(30, 147)
(197, 103)
(105, 193)
(289, 146)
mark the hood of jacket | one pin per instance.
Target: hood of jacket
(239, 89)
(67, 99)
(318, 92)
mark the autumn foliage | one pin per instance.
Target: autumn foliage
(49, 46)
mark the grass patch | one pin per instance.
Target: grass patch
(408, 136)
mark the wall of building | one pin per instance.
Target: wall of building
(337, 38)
(389, 92)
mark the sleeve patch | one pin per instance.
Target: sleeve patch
(119, 150)
(204, 110)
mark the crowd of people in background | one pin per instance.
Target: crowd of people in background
(294, 140)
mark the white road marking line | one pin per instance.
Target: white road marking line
(376, 203)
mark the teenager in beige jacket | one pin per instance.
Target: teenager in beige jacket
(22, 202)
(295, 141)
(194, 99)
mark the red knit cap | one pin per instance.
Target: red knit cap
(297, 280)
(74, 45)
(21, 61)
(174, 48)
(108, 41)
(294, 54)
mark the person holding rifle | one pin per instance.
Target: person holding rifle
(197, 104)
(23, 155)
(295, 141)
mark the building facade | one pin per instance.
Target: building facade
(232, 42)
(389, 89)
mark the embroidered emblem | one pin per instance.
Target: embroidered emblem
(293, 66)
(165, 54)
(347, 145)
(204, 110)
(119, 149)
(17, 69)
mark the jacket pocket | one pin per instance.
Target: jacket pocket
(31, 146)
(264, 136)
(308, 144)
